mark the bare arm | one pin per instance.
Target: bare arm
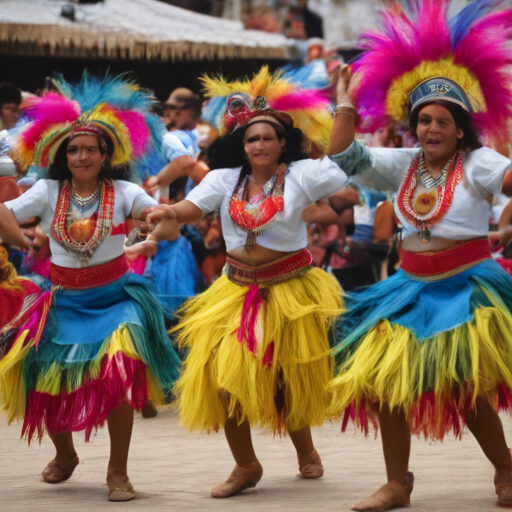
(10, 232)
(184, 211)
(182, 166)
(507, 183)
(343, 133)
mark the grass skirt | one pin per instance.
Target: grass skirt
(279, 380)
(72, 356)
(429, 348)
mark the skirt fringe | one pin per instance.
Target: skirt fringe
(282, 381)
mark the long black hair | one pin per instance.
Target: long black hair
(59, 170)
(228, 151)
(471, 139)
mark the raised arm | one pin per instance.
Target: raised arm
(343, 132)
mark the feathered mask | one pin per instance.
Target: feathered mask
(114, 110)
(272, 95)
(420, 54)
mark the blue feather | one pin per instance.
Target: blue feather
(461, 23)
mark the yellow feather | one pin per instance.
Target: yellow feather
(398, 95)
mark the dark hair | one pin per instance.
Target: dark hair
(59, 170)
(471, 139)
(9, 94)
(228, 151)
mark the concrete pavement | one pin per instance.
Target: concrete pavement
(173, 470)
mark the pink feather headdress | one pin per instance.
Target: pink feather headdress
(118, 112)
(418, 41)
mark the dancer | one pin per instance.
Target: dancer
(259, 336)
(429, 350)
(95, 347)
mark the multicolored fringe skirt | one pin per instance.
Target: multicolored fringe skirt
(258, 343)
(74, 354)
(429, 340)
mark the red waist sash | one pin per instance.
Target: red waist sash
(277, 271)
(447, 263)
(89, 277)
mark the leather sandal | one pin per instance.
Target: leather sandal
(54, 474)
(241, 478)
(310, 466)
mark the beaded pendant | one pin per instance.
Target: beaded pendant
(100, 226)
(430, 207)
(258, 216)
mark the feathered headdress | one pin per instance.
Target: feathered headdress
(309, 109)
(418, 42)
(117, 111)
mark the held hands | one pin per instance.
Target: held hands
(147, 248)
(160, 212)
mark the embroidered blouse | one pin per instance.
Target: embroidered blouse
(41, 200)
(307, 181)
(470, 211)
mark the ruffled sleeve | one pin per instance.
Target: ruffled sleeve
(210, 193)
(30, 204)
(319, 178)
(135, 199)
(486, 168)
(379, 168)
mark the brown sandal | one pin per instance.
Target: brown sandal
(54, 474)
(310, 466)
(241, 478)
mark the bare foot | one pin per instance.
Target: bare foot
(503, 484)
(311, 465)
(241, 478)
(59, 470)
(119, 486)
(391, 495)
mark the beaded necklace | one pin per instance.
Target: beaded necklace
(103, 221)
(84, 203)
(258, 215)
(424, 213)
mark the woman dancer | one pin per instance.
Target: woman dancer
(95, 347)
(258, 337)
(429, 350)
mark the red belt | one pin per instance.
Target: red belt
(271, 273)
(89, 277)
(447, 263)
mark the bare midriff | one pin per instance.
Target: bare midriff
(258, 255)
(413, 244)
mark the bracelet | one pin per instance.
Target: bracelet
(345, 111)
(345, 104)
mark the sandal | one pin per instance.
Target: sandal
(54, 474)
(240, 479)
(310, 466)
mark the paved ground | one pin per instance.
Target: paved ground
(173, 470)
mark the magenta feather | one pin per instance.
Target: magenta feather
(300, 100)
(51, 109)
(137, 128)
(414, 32)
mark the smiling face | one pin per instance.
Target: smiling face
(84, 158)
(262, 145)
(437, 132)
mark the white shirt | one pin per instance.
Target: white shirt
(469, 214)
(306, 182)
(41, 201)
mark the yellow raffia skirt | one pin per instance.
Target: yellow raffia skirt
(275, 376)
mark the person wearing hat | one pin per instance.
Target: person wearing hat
(181, 144)
(10, 100)
(429, 350)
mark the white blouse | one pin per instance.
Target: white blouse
(470, 211)
(41, 200)
(306, 182)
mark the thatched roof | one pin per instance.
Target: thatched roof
(129, 29)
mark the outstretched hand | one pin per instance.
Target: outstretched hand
(147, 248)
(503, 236)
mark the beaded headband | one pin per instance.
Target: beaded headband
(88, 129)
